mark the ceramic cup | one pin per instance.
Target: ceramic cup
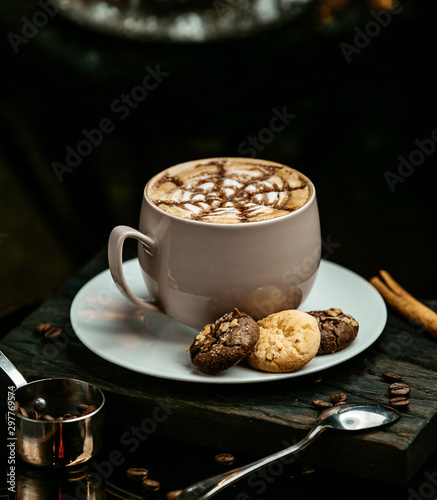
(195, 271)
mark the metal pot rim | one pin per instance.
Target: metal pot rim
(72, 420)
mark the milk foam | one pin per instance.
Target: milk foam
(229, 190)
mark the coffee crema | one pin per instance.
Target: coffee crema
(229, 190)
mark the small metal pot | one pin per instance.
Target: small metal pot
(61, 443)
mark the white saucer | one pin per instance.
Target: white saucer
(155, 345)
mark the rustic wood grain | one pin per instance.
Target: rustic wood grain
(255, 418)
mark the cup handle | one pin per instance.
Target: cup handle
(115, 257)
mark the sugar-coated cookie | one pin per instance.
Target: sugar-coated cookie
(224, 343)
(337, 330)
(287, 341)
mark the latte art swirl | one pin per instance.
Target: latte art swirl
(229, 190)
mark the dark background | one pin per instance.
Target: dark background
(353, 120)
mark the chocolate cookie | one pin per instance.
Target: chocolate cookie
(337, 329)
(224, 343)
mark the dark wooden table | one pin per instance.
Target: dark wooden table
(200, 420)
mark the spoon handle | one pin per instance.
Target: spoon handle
(207, 488)
(11, 371)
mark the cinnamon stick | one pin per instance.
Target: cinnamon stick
(404, 303)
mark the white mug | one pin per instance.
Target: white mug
(196, 271)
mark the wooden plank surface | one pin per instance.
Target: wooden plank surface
(254, 418)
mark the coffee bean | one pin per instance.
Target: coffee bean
(86, 409)
(399, 402)
(392, 377)
(137, 473)
(308, 469)
(319, 404)
(52, 333)
(341, 403)
(339, 397)
(68, 416)
(33, 414)
(150, 485)
(225, 459)
(47, 418)
(16, 406)
(172, 495)
(42, 327)
(399, 389)
(22, 411)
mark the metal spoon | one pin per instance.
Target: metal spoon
(9, 368)
(11, 371)
(352, 417)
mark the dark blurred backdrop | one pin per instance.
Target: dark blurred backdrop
(359, 105)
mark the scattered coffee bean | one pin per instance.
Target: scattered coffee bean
(137, 473)
(150, 485)
(307, 470)
(399, 402)
(42, 327)
(339, 397)
(399, 389)
(319, 404)
(172, 495)
(52, 333)
(341, 403)
(225, 458)
(392, 377)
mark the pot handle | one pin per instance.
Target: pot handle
(11, 371)
(115, 257)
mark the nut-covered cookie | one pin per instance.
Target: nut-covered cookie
(338, 330)
(287, 341)
(224, 343)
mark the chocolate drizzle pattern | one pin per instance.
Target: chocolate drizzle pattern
(231, 191)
